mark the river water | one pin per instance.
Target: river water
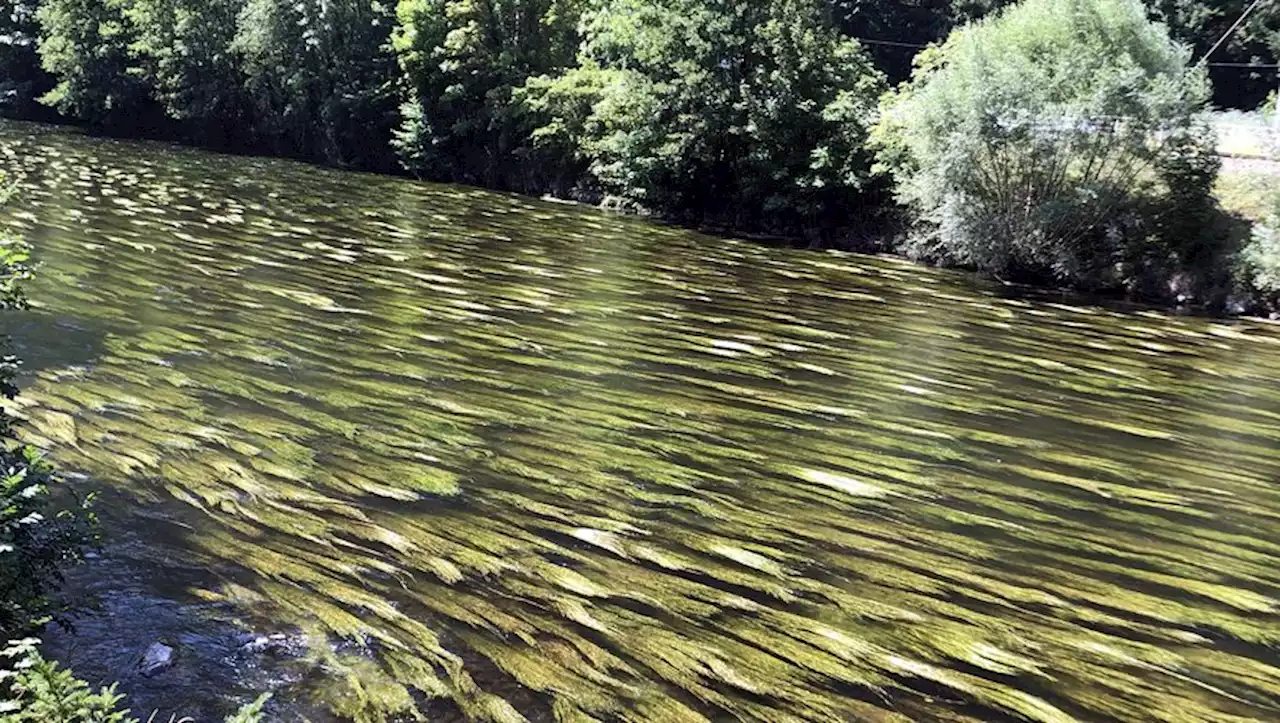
(496, 459)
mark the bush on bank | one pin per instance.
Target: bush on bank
(1260, 259)
(1060, 141)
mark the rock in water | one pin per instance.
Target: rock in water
(157, 658)
(277, 644)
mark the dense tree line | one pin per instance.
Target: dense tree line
(546, 95)
(706, 110)
(752, 115)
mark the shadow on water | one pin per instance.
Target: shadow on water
(497, 459)
(137, 601)
(44, 341)
(136, 594)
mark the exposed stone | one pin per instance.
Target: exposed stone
(277, 644)
(157, 658)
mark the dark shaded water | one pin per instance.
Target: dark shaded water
(497, 459)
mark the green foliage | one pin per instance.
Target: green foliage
(741, 113)
(21, 78)
(180, 48)
(15, 263)
(560, 109)
(251, 713)
(85, 44)
(462, 61)
(320, 78)
(1048, 140)
(1261, 256)
(35, 543)
(312, 79)
(1201, 23)
(39, 691)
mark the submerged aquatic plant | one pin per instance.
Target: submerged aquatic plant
(531, 461)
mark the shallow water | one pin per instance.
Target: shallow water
(497, 459)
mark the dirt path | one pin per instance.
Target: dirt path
(1237, 164)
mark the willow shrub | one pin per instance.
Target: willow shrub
(1061, 140)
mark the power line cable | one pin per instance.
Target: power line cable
(1239, 21)
(901, 44)
(893, 43)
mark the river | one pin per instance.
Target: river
(496, 459)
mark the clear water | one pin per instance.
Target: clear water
(498, 459)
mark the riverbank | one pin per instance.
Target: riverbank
(1245, 191)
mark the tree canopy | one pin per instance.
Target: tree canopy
(747, 115)
(720, 111)
(460, 88)
(462, 63)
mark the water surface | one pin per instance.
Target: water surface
(499, 459)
